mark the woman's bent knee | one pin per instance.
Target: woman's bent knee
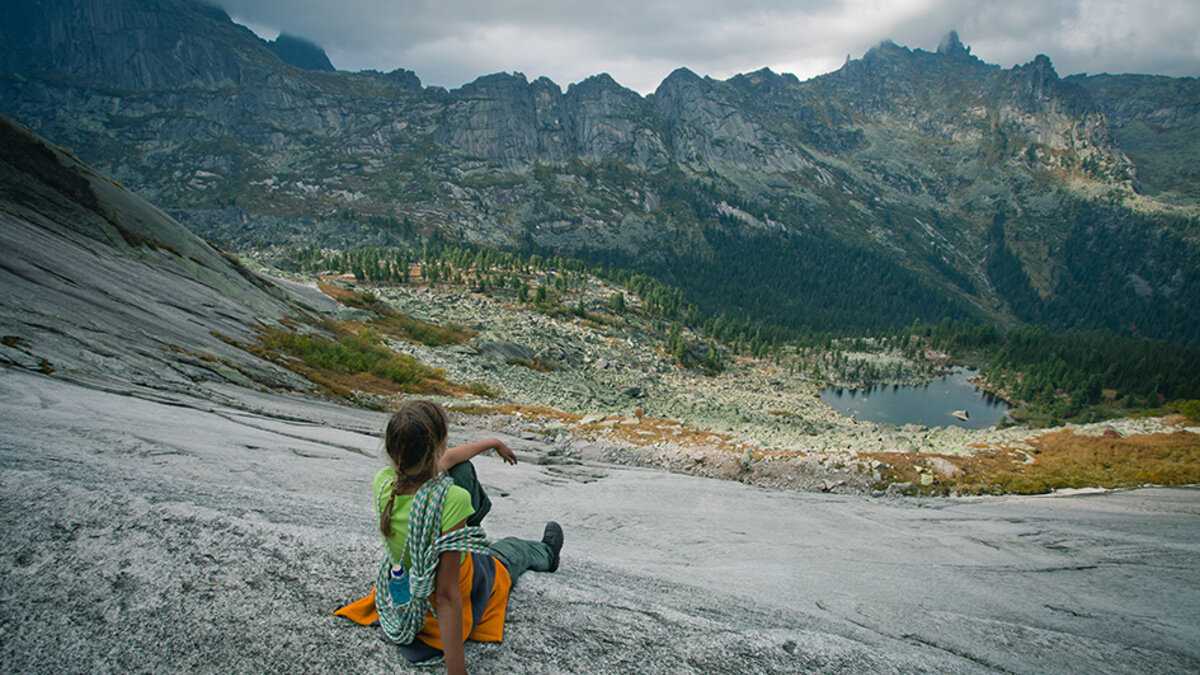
(464, 474)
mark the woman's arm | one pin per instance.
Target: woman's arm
(461, 453)
(448, 599)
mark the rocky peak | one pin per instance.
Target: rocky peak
(680, 77)
(545, 85)
(603, 88)
(885, 50)
(1035, 82)
(952, 46)
(497, 117)
(298, 52)
(496, 83)
(598, 83)
(673, 92)
(764, 78)
(405, 78)
(1041, 63)
(400, 77)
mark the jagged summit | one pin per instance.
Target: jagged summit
(406, 78)
(598, 81)
(1043, 62)
(499, 79)
(765, 76)
(301, 53)
(681, 74)
(885, 48)
(543, 82)
(952, 46)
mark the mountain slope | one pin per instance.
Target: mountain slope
(1155, 120)
(100, 285)
(905, 156)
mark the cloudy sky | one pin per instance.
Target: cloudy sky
(638, 42)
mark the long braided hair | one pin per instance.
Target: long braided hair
(414, 440)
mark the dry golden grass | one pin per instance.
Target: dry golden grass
(1061, 459)
(648, 431)
(342, 294)
(1161, 459)
(651, 430)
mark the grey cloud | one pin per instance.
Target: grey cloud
(640, 42)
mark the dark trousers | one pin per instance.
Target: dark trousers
(518, 555)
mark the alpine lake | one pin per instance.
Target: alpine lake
(949, 400)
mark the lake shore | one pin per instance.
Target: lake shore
(932, 403)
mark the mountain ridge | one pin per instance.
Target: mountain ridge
(908, 153)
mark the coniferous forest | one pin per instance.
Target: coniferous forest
(761, 295)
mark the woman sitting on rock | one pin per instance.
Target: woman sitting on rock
(430, 503)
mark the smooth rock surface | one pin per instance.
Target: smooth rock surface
(155, 531)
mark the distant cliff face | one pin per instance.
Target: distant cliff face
(909, 153)
(1156, 121)
(130, 46)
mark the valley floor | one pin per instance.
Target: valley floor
(757, 421)
(157, 531)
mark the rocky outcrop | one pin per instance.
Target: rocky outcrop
(101, 286)
(952, 46)
(607, 121)
(296, 51)
(703, 127)
(504, 118)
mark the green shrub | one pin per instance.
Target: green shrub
(1189, 409)
(483, 389)
(351, 354)
(414, 330)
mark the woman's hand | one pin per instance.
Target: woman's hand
(504, 451)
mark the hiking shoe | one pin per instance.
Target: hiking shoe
(553, 538)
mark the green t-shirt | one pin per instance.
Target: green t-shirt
(456, 509)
